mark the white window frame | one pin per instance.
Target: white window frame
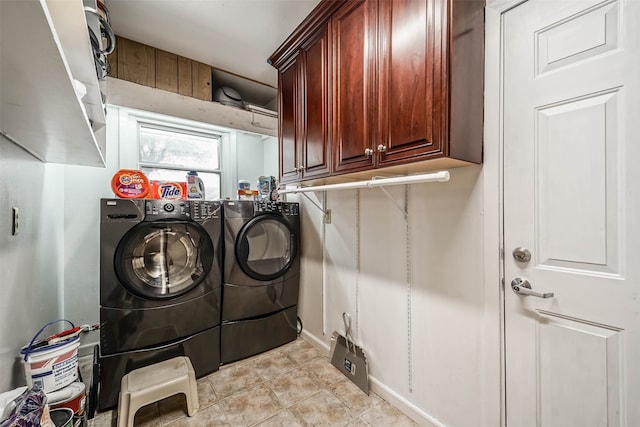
(182, 131)
(129, 148)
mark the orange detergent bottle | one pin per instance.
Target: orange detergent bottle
(130, 183)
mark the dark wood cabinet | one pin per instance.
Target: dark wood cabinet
(410, 89)
(431, 81)
(353, 52)
(404, 87)
(304, 105)
(288, 137)
(315, 102)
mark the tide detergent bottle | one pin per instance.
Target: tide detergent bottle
(195, 186)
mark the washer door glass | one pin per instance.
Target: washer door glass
(266, 247)
(164, 259)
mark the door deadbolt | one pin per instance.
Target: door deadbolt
(521, 254)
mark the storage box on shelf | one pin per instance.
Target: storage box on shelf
(400, 85)
(46, 65)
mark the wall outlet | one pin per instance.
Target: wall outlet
(16, 221)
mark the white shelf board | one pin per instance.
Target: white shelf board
(71, 26)
(39, 108)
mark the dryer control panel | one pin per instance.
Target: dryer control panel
(283, 208)
(266, 206)
(290, 209)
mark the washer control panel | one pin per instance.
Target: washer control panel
(205, 209)
(160, 209)
(182, 209)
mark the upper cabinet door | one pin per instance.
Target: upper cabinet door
(353, 53)
(412, 81)
(404, 91)
(288, 83)
(316, 103)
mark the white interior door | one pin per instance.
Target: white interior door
(572, 200)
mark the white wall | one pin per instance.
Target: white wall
(424, 340)
(250, 158)
(270, 156)
(31, 271)
(455, 292)
(257, 156)
(83, 188)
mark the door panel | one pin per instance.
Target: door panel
(315, 147)
(571, 198)
(353, 38)
(288, 117)
(163, 260)
(409, 69)
(266, 247)
(576, 355)
(587, 200)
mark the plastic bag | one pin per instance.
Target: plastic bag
(30, 410)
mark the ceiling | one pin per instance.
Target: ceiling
(234, 36)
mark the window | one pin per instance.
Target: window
(168, 153)
(166, 147)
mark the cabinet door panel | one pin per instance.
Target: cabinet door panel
(409, 69)
(353, 33)
(315, 147)
(288, 99)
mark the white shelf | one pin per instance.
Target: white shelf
(44, 46)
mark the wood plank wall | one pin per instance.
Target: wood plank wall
(148, 66)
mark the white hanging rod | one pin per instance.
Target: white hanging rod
(442, 176)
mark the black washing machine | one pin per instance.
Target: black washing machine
(160, 286)
(261, 277)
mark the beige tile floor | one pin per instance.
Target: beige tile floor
(292, 385)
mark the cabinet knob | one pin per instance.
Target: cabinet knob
(382, 148)
(368, 152)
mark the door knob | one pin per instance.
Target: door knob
(382, 148)
(522, 287)
(368, 152)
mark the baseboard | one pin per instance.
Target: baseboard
(403, 405)
(399, 402)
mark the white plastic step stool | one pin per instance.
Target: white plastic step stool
(155, 382)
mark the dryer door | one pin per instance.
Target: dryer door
(164, 259)
(266, 247)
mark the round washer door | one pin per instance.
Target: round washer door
(266, 247)
(164, 259)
